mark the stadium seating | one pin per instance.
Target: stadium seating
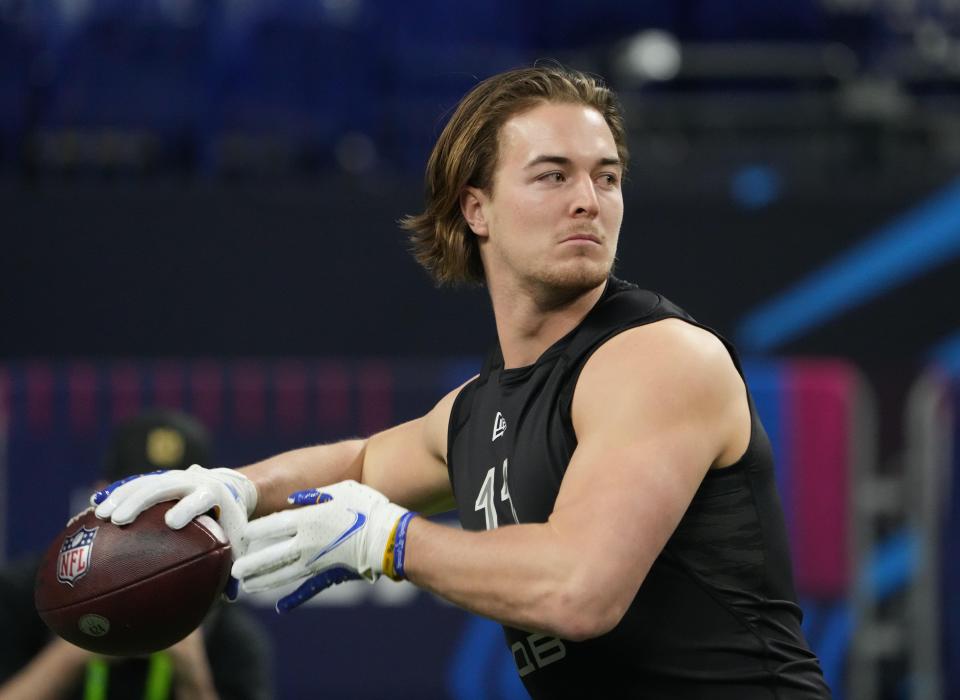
(128, 84)
(300, 86)
(289, 82)
(19, 55)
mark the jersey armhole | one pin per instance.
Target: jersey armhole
(566, 397)
(455, 423)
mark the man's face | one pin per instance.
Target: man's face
(553, 218)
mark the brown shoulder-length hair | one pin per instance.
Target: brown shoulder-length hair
(466, 155)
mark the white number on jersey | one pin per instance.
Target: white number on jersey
(485, 498)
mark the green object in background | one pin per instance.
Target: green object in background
(159, 678)
(98, 676)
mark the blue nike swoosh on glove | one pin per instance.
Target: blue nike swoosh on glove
(314, 585)
(308, 497)
(358, 523)
(101, 495)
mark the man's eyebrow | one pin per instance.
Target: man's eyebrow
(557, 160)
(563, 160)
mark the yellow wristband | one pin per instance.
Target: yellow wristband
(393, 554)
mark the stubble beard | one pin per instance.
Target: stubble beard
(558, 284)
(551, 283)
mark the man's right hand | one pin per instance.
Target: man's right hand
(227, 492)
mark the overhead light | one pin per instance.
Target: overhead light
(651, 55)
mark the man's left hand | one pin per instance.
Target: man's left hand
(341, 532)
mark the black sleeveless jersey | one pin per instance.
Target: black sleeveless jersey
(716, 617)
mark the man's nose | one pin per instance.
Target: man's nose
(585, 202)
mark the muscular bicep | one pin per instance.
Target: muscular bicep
(408, 463)
(654, 410)
(622, 502)
(398, 463)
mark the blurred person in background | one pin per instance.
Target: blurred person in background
(227, 657)
(614, 483)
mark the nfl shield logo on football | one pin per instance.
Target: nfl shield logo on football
(74, 560)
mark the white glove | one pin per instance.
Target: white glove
(226, 491)
(345, 531)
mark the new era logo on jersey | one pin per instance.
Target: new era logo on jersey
(74, 560)
(499, 426)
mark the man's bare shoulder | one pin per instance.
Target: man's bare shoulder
(656, 375)
(671, 340)
(437, 422)
(672, 345)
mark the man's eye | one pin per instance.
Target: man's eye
(555, 176)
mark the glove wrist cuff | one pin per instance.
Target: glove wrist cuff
(394, 555)
(245, 489)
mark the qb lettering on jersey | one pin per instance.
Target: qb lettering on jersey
(499, 426)
(539, 651)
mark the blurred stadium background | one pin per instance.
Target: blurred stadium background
(197, 209)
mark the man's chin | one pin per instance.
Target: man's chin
(576, 277)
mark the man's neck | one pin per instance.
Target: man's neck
(530, 321)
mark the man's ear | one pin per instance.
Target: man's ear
(472, 200)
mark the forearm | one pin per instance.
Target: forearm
(524, 576)
(193, 678)
(196, 684)
(49, 675)
(279, 476)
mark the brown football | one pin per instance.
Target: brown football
(133, 589)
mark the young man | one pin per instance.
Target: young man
(615, 486)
